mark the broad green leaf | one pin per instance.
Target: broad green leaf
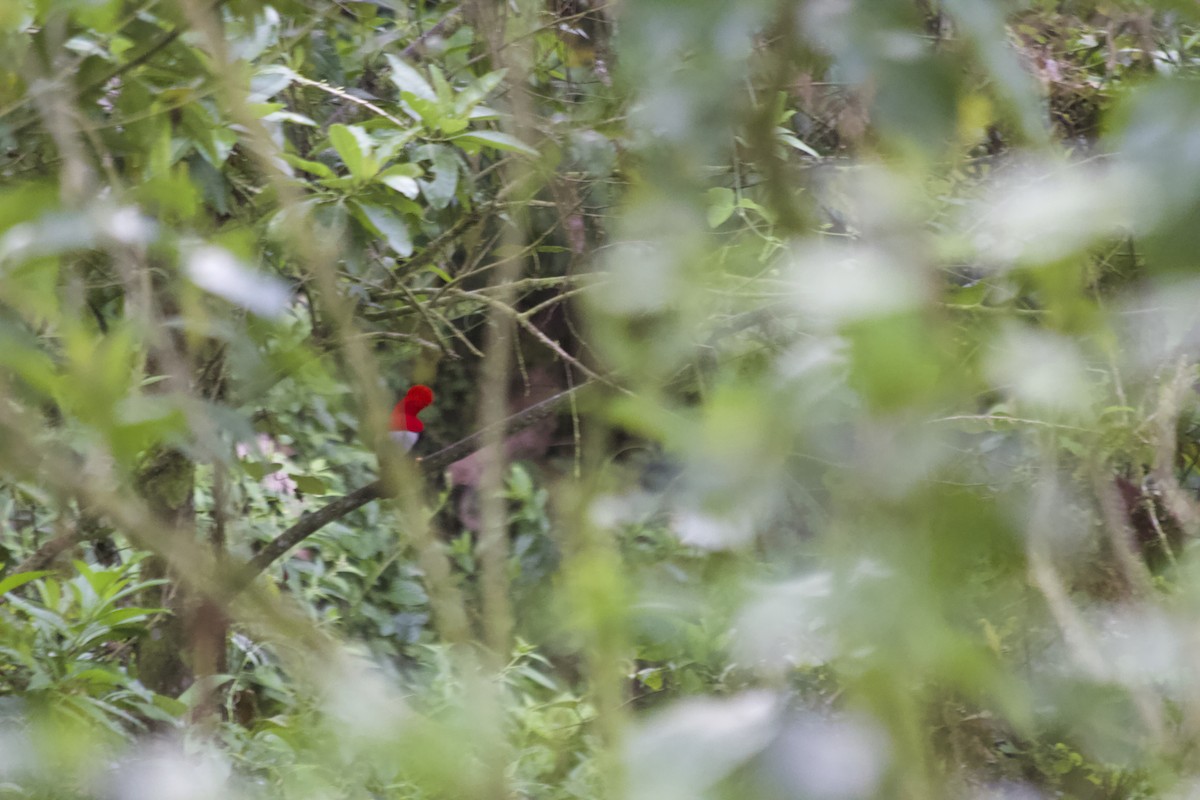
(259, 469)
(496, 140)
(791, 140)
(31, 288)
(125, 616)
(483, 114)
(270, 81)
(444, 91)
(430, 112)
(353, 145)
(761, 210)
(407, 79)
(392, 228)
(342, 182)
(311, 167)
(99, 676)
(469, 97)
(48, 619)
(401, 183)
(440, 190)
(309, 484)
(720, 205)
(402, 178)
(284, 115)
(391, 141)
(452, 125)
(441, 273)
(407, 169)
(18, 580)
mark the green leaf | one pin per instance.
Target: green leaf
(270, 81)
(404, 185)
(440, 191)
(407, 79)
(497, 141)
(652, 679)
(283, 115)
(390, 141)
(392, 228)
(441, 273)
(402, 178)
(353, 145)
(428, 111)
(483, 114)
(469, 97)
(452, 125)
(344, 182)
(19, 579)
(720, 205)
(309, 484)
(258, 470)
(407, 592)
(791, 140)
(445, 92)
(312, 167)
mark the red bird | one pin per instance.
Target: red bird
(406, 427)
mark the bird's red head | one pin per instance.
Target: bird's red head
(404, 415)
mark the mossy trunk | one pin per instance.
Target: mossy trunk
(167, 482)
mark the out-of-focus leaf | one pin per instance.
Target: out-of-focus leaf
(314, 167)
(687, 749)
(215, 270)
(983, 22)
(283, 115)
(791, 140)
(18, 580)
(309, 484)
(720, 205)
(270, 81)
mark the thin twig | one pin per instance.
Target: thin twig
(344, 95)
(436, 30)
(532, 329)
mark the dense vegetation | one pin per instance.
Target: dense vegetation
(816, 399)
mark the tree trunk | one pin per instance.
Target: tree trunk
(167, 482)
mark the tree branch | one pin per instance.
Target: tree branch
(430, 465)
(50, 550)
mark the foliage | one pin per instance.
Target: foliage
(870, 329)
(67, 648)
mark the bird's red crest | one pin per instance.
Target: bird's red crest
(404, 414)
(418, 397)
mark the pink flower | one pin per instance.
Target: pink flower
(280, 483)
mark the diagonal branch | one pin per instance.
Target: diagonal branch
(312, 522)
